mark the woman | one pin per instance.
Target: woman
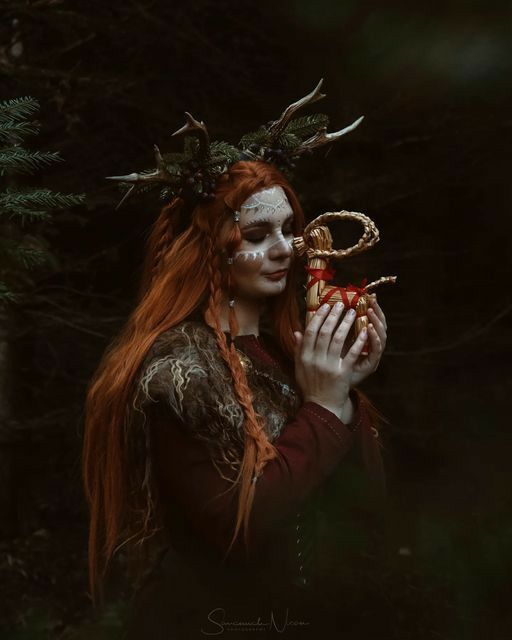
(214, 421)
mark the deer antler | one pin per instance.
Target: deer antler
(194, 127)
(160, 175)
(321, 137)
(278, 125)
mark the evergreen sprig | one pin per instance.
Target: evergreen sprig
(18, 108)
(222, 154)
(19, 160)
(307, 126)
(19, 252)
(33, 205)
(255, 138)
(288, 141)
(16, 198)
(10, 129)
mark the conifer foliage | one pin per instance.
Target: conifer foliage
(23, 210)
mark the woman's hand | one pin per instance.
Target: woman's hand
(377, 333)
(322, 375)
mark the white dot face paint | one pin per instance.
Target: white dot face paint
(266, 222)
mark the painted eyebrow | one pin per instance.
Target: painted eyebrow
(264, 221)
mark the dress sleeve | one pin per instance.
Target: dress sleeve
(192, 413)
(309, 447)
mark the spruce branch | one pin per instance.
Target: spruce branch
(10, 130)
(21, 253)
(18, 108)
(19, 160)
(12, 200)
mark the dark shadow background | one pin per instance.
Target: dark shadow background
(429, 164)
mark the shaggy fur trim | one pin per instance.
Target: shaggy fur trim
(185, 374)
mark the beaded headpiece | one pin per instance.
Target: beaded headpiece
(192, 174)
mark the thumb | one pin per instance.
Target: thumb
(298, 338)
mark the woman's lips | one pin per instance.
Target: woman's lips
(277, 275)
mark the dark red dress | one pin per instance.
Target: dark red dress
(289, 582)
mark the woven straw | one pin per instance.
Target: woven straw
(316, 244)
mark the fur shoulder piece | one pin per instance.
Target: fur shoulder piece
(184, 373)
(184, 376)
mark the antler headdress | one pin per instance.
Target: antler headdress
(192, 174)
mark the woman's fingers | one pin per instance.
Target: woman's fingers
(341, 333)
(376, 347)
(379, 326)
(355, 350)
(378, 312)
(310, 332)
(325, 333)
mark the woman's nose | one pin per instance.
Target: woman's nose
(282, 247)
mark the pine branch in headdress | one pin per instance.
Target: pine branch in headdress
(307, 126)
(288, 141)
(222, 154)
(259, 138)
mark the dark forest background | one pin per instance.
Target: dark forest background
(429, 164)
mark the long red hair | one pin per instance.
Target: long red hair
(181, 244)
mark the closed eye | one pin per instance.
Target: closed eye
(259, 238)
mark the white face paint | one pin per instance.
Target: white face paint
(266, 220)
(270, 206)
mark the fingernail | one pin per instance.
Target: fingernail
(352, 313)
(337, 306)
(325, 306)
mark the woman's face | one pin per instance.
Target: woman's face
(266, 222)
